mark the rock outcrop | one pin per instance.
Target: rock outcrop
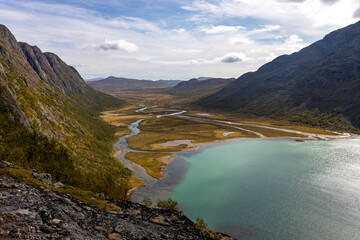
(30, 213)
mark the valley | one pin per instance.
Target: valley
(266, 148)
(152, 133)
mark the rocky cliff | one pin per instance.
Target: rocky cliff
(27, 212)
(35, 85)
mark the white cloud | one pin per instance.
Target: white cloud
(232, 57)
(121, 45)
(221, 29)
(309, 16)
(132, 23)
(266, 28)
(181, 50)
(180, 30)
(240, 40)
(294, 39)
(161, 48)
(78, 65)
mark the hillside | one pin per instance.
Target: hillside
(49, 120)
(115, 84)
(171, 83)
(197, 88)
(317, 86)
(57, 176)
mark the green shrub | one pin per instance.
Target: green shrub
(147, 202)
(200, 223)
(169, 204)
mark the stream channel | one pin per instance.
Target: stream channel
(154, 188)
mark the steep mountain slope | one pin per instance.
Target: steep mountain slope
(195, 87)
(115, 84)
(49, 119)
(318, 85)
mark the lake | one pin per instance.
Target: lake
(275, 189)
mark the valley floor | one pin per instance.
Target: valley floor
(165, 129)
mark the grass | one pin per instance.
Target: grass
(80, 155)
(260, 121)
(122, 131)
(161, 130)
(136, 183)
(149, 161)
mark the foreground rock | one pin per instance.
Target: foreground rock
(30, 213)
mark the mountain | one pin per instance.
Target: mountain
(57, 175)
(171, 83)
(49, 120)
(319, 85)
(197, 88)
(93, 79)
(115, 84)
(203, 78)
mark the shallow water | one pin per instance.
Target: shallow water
(275, 189)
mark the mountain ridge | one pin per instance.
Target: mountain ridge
(49, 120)
(316, 86)
(113, 84)
(196, 87)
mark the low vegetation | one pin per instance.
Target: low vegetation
(150, 161)
(161, 130)
(200, 223)
(147, 201)
(169, 204)
(80, 156)
(89, 197)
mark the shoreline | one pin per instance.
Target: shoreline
(164, 187)
(121, 146)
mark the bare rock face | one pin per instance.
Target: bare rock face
(8, 40)
(30, 213)
(46, 66)
(33, 85)
(53, 70)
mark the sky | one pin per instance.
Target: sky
(173, 39)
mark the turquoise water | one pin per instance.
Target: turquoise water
(276, 189)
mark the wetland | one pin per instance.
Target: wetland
(246, 177)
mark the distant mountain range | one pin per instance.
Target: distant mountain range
(114, 84)
(319, 85)
(196, 88)
(93, 79)
(204, 78)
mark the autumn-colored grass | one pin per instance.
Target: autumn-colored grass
(160, 130)
(260, 121)
(149, 161)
